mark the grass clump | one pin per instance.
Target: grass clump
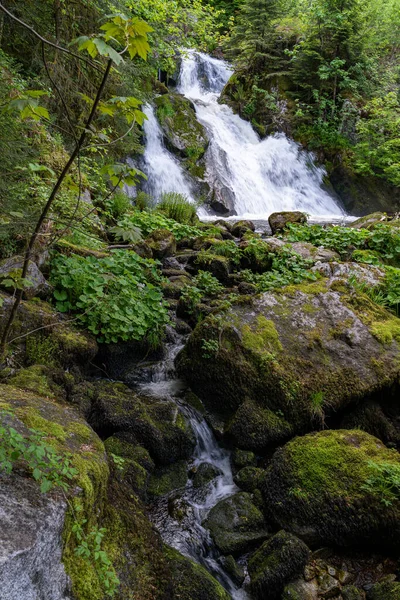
(177, 207)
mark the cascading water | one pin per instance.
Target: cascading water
(255, 177)
(163, 170)
(186, 533)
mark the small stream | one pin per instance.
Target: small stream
(179, 516)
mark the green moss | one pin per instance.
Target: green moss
(311, 289)
(167, 479)
(33, 379)
(335, 462)
(387, 331)
(41, 350)
(261, 337)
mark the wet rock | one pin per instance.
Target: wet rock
(191, 581)
(162, 243)
(241, 227)
(369, 221)
(12, 267)
(248, 478)
(314, 487)
(243, 458)
(157, 426)
(236, 572)
(290, 359)
(310, 252)
(168, 479)
(247, 289)
(279, 220)
(183, 134)
(236, 524)
(173, 288)
(278, 561)
(328, 586)
(216, 265)
(143, 249)
(205, 472)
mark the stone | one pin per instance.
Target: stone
(205, 473)
(242, 227)
(217, 265)
(277, 562)
(162, 243)
(310, 252)
(37, 283)
(301, 590)
(279, 220)
(328, 586)
(236, 572)
(384, 591)
(351, 592)
(369, 221)
(248, 479)
(243, 458)
(183, 134)
(236, 524)
(291, 358)
(315, 488)
(31, 526)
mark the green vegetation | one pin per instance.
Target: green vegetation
(177, 207)
(116, 298)
(384, 482)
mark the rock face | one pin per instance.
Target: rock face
(325, 488)
(278, 561)
(183, 134)
(290, 359)
(236, 524)
(279, 220)
(31, 525)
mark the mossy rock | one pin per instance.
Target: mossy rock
(67, 433)
(37, 283)
(157, 426)
(316, 488)
(277, 562)
(136, 464)
(291, 359)
(37, 378)
(351, 592)
(219, 266)
(53, 341)
(240, 228)
(248, 479)
(372, 418)
(243, 458)
(183, 134)
(191, 581)
(162, 243)
(236, 524)
(384, 591)
(205, 473)
(167, 479)
(369, 221)
(279, 220)
(235, 571)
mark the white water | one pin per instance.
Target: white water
(187, 534)
(257, 176)
(163, 170)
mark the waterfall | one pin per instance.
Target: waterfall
(256, 177)
(163, 170)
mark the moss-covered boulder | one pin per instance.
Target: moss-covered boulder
(219, 266)
(157, 426)
(290, 359)
(168, 479)
(162, 243)
(277, 562)
(389, 590)
(205, 473)
(52, 340)
(236, 524)
(369, 221)
(183, 134)
(279, 220)
(11, 268)
(351, 592)
(191, 581)
(240, 228)
(248, 478)
(235, 570)
(328, 488)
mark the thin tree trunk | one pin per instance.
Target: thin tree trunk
(46, 209)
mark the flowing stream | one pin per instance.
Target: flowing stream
(179, 515)
(253, 177)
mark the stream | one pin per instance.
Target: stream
(186, 533)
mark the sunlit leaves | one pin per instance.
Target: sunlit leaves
(121, 174)
(27, 103)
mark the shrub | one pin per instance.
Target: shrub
(177, 207)
(116, 298)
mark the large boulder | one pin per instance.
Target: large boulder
(182, 132)
(369, 221)
(11, 268)
(291, 359)
(162, 243)
(277, 562)
(279, 220)
(329, 488)
(236, 524)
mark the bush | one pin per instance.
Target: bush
(147, 222)
(177, 207)
(116, 298)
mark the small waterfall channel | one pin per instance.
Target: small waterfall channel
(186, 533)
(254, 177)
